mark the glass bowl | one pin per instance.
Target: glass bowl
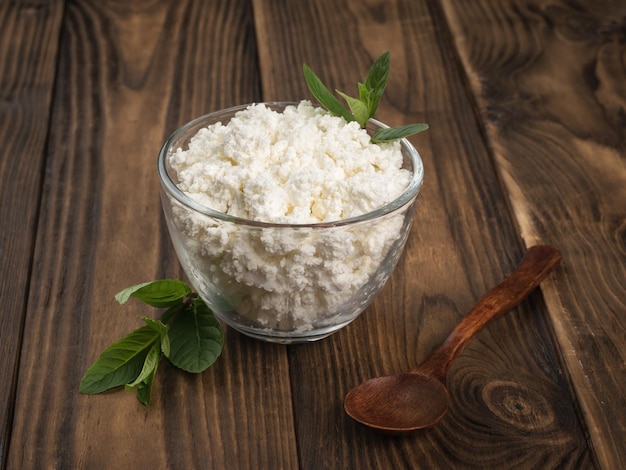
(285, 283)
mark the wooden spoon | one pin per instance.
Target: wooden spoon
(398, 404)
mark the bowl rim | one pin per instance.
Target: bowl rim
(170, 187)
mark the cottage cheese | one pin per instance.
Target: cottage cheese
(299, 166)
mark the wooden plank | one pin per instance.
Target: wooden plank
(129, 74)
(509, 405)
(28, 46)
(550, 78)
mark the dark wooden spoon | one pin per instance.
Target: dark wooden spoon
(402, 403)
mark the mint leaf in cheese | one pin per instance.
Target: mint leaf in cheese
(363, 108)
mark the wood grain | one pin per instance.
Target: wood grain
(129, 73)
(28, 34)
(462, 243)
(549, 77)
(525, 100)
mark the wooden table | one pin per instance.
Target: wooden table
(526, 101)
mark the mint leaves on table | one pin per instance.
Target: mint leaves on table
(187, 334)
(364, 107)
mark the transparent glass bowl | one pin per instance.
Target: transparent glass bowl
(278, 282)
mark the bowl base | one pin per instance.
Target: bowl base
(271, 336)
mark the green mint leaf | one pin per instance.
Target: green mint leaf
(364, 95)
(358, 108)
(394, 133)
(376, 81)
(120, 363)
(188, 334)
(162, 329)
(363, 108)
(149, 366)
(324, 96)
(170, 312)
(143, 383)
(163, 293)
(196, 338)
(144, 389)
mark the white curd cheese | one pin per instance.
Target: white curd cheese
(298, 166)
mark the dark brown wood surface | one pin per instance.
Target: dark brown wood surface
(526, 102)
(554, 109)
(28, 47)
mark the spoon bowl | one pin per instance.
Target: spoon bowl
(418, 399)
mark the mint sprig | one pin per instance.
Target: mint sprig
(187, 334)
(364, 107)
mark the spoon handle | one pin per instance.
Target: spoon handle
(534, 266)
